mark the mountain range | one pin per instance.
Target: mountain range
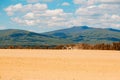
(76, 34)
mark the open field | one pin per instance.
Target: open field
(59, 65)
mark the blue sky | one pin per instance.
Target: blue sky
(48, 15)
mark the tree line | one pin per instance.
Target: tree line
(101, 46)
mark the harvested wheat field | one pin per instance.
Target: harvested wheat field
(59, 65)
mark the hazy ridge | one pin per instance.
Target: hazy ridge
(76, 34)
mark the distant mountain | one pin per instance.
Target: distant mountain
(76, 34)
(113, 29)
(22, 37)
(72, 30)
(85, 34)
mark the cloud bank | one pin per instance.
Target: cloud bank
(37, 15)
(94, 13)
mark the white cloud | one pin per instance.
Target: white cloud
(11, 10)
(79, 1)
(85, 2)
(36, 1)
(54, 12)
(38, 15)
(65, 4)
(29, 15)
(109, 1)
(92, 14)
(32, 1)
(2, 27)
(103, 15)
(93, 2)
(24, 22)
(99, 13)
(115, 17)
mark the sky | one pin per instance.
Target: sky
(48, 15)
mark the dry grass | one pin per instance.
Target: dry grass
(59, 65)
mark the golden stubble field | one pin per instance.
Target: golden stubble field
(29, 64)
